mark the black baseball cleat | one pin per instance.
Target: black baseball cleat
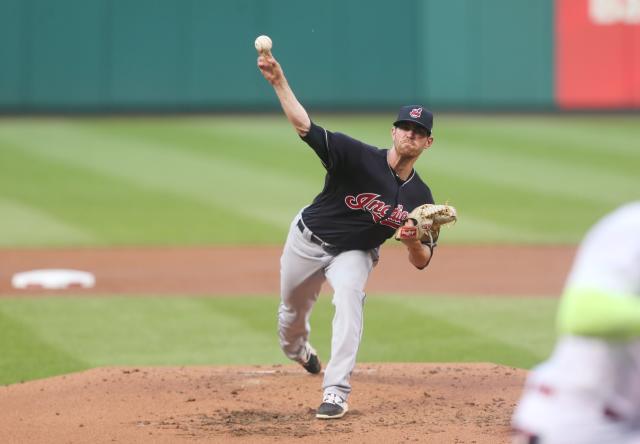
(332, 407)
(312, 363)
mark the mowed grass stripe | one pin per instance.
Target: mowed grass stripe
(476, 230)
(497, 319)
(113, 211)
(420, 336)
(26, 354)
(558, 144)
(491, 213)
(146, 331)
(262, 142)
(606, 136)
(255, 193)
(531, 174)
(242, 330)
(26, 225)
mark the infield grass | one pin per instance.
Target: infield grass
(41, 337)
(241, 179)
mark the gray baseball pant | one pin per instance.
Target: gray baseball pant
(304, 266)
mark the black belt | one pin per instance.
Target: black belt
(331, 249)
(315, 239)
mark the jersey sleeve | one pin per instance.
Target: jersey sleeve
(335, 150)
(429, 197)
(317, 139)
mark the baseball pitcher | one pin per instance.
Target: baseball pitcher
(367, 196)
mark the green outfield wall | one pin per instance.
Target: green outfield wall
(113, 55)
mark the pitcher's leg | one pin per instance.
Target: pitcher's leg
(301, 276)
(294, 312)
(347, 274)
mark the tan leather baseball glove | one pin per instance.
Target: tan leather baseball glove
(426, 222)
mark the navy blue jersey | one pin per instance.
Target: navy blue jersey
(363, 202)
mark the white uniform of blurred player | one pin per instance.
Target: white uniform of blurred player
(588, 391)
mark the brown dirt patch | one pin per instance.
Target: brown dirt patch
(435, 403)
(482, 270)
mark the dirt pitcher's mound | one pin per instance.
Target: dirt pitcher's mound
(433, 403)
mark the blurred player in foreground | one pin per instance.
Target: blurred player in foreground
(588, 391)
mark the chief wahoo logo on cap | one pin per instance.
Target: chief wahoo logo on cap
(416, 113)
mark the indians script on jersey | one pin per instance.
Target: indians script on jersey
(378, 209)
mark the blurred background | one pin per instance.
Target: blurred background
(500, 76)
(198, 55)
(147, 123)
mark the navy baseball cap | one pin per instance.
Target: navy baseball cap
(417, 114)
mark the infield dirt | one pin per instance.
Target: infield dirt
(481, 270)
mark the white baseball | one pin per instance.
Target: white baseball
(263, 44)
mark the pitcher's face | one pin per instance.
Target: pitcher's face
(410, 139)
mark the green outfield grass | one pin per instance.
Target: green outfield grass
(50, 336)
(240, 179)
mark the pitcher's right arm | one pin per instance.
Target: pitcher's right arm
(295, 112)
